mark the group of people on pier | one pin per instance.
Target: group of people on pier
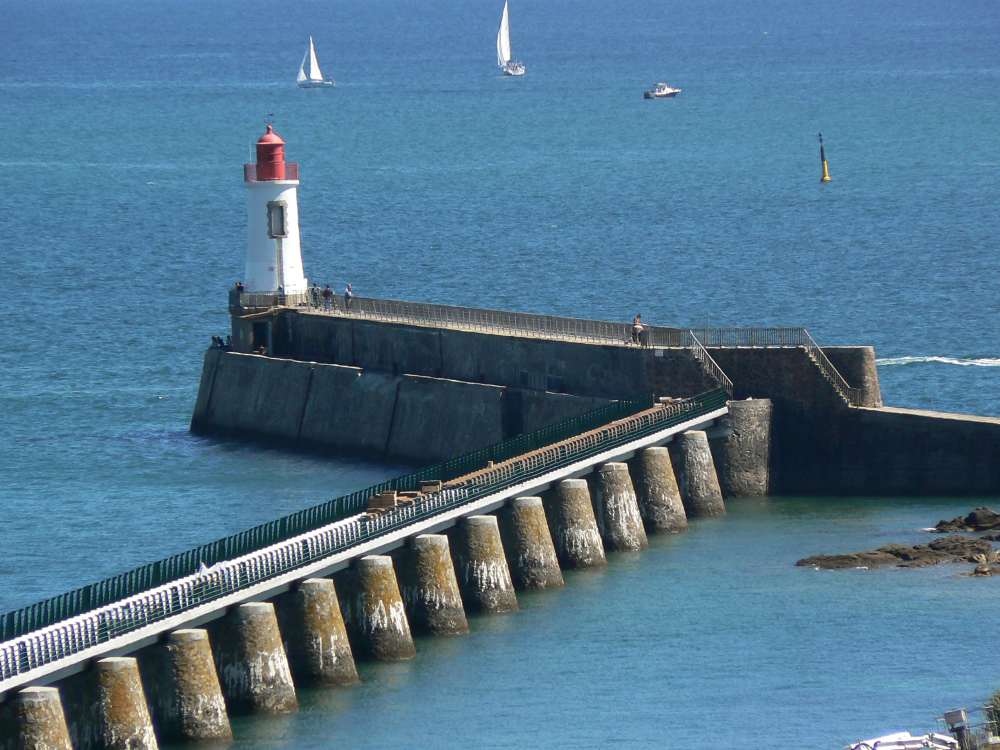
(328, 298)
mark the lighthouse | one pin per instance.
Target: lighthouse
(274, 259)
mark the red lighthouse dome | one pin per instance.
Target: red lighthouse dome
(270, 156)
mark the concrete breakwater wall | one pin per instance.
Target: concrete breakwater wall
(255, 655)
(812, 441)
(407, 417)
(820, 446)
(582, 369)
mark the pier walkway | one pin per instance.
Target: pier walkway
(55, 638)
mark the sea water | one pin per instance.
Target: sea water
(427, 176)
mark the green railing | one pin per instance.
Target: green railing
(86, 598)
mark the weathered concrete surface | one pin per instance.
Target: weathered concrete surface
(315, 637)
(183, 690)
(573, 524)
(786, 374)
(119, 717)
(656, 489)
(894, 451)
(429, 587)
(537, 364)
(253, 396)
(32, 719)
(528, 545)
(324, 406)
(251, 662)
(433, 417)
(483, 576)
(349, 409)
(617, 509)
(374, 612)
(743, 460)
(696, 476)
(857, 365)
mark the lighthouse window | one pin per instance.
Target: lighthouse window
(276, 219)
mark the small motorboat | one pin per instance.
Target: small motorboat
(661, 91)
(906, 741)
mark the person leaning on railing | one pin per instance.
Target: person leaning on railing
(638, 331)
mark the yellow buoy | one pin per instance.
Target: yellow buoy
(822, 158)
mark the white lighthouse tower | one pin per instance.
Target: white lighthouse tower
(274, 259)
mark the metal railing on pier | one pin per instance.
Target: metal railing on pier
(66, 625)
(709, 365)
(572, 329)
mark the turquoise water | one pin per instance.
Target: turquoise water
(426, 176)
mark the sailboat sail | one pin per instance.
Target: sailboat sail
(503, 39)
(313, 73)
(302, 69)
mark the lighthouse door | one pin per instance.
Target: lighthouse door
(262, 336)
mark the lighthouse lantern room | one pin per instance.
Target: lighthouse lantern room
(274, 258)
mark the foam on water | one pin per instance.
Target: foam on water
(959, 361)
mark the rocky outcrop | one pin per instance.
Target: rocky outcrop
(981, 519)
(950, 549)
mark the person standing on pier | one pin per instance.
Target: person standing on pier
(637, 329)
(327, 298)
(348, 296)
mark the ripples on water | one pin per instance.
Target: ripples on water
(425, 176)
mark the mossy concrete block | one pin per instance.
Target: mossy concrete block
(430, 587)
(656, 490)
(575, 533)
(483, 575)
(376, 615)
(183, 689)
(251, 662)
(33, 719)
(314, 634)
(528, 544)
(621, 522)
(696, 476)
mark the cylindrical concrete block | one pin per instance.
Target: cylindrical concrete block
(622, 524)
(187, 703)
(696, 476)
(316, 643)
(531, 554)
(743, 460)
(381, 624)
(430, 587)
(122, 716)
(483, 575)
(575, 533)
(33, 719)
(656, 489)
(251, 660)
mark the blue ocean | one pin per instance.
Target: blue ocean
(428, 176)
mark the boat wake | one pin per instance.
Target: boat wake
(960, 361)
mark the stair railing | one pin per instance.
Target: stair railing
(853, 396)
(708, 364)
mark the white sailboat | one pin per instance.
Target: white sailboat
(506, 63)
(310, 76)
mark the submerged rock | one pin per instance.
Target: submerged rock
(946, 550)
(981, 519)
